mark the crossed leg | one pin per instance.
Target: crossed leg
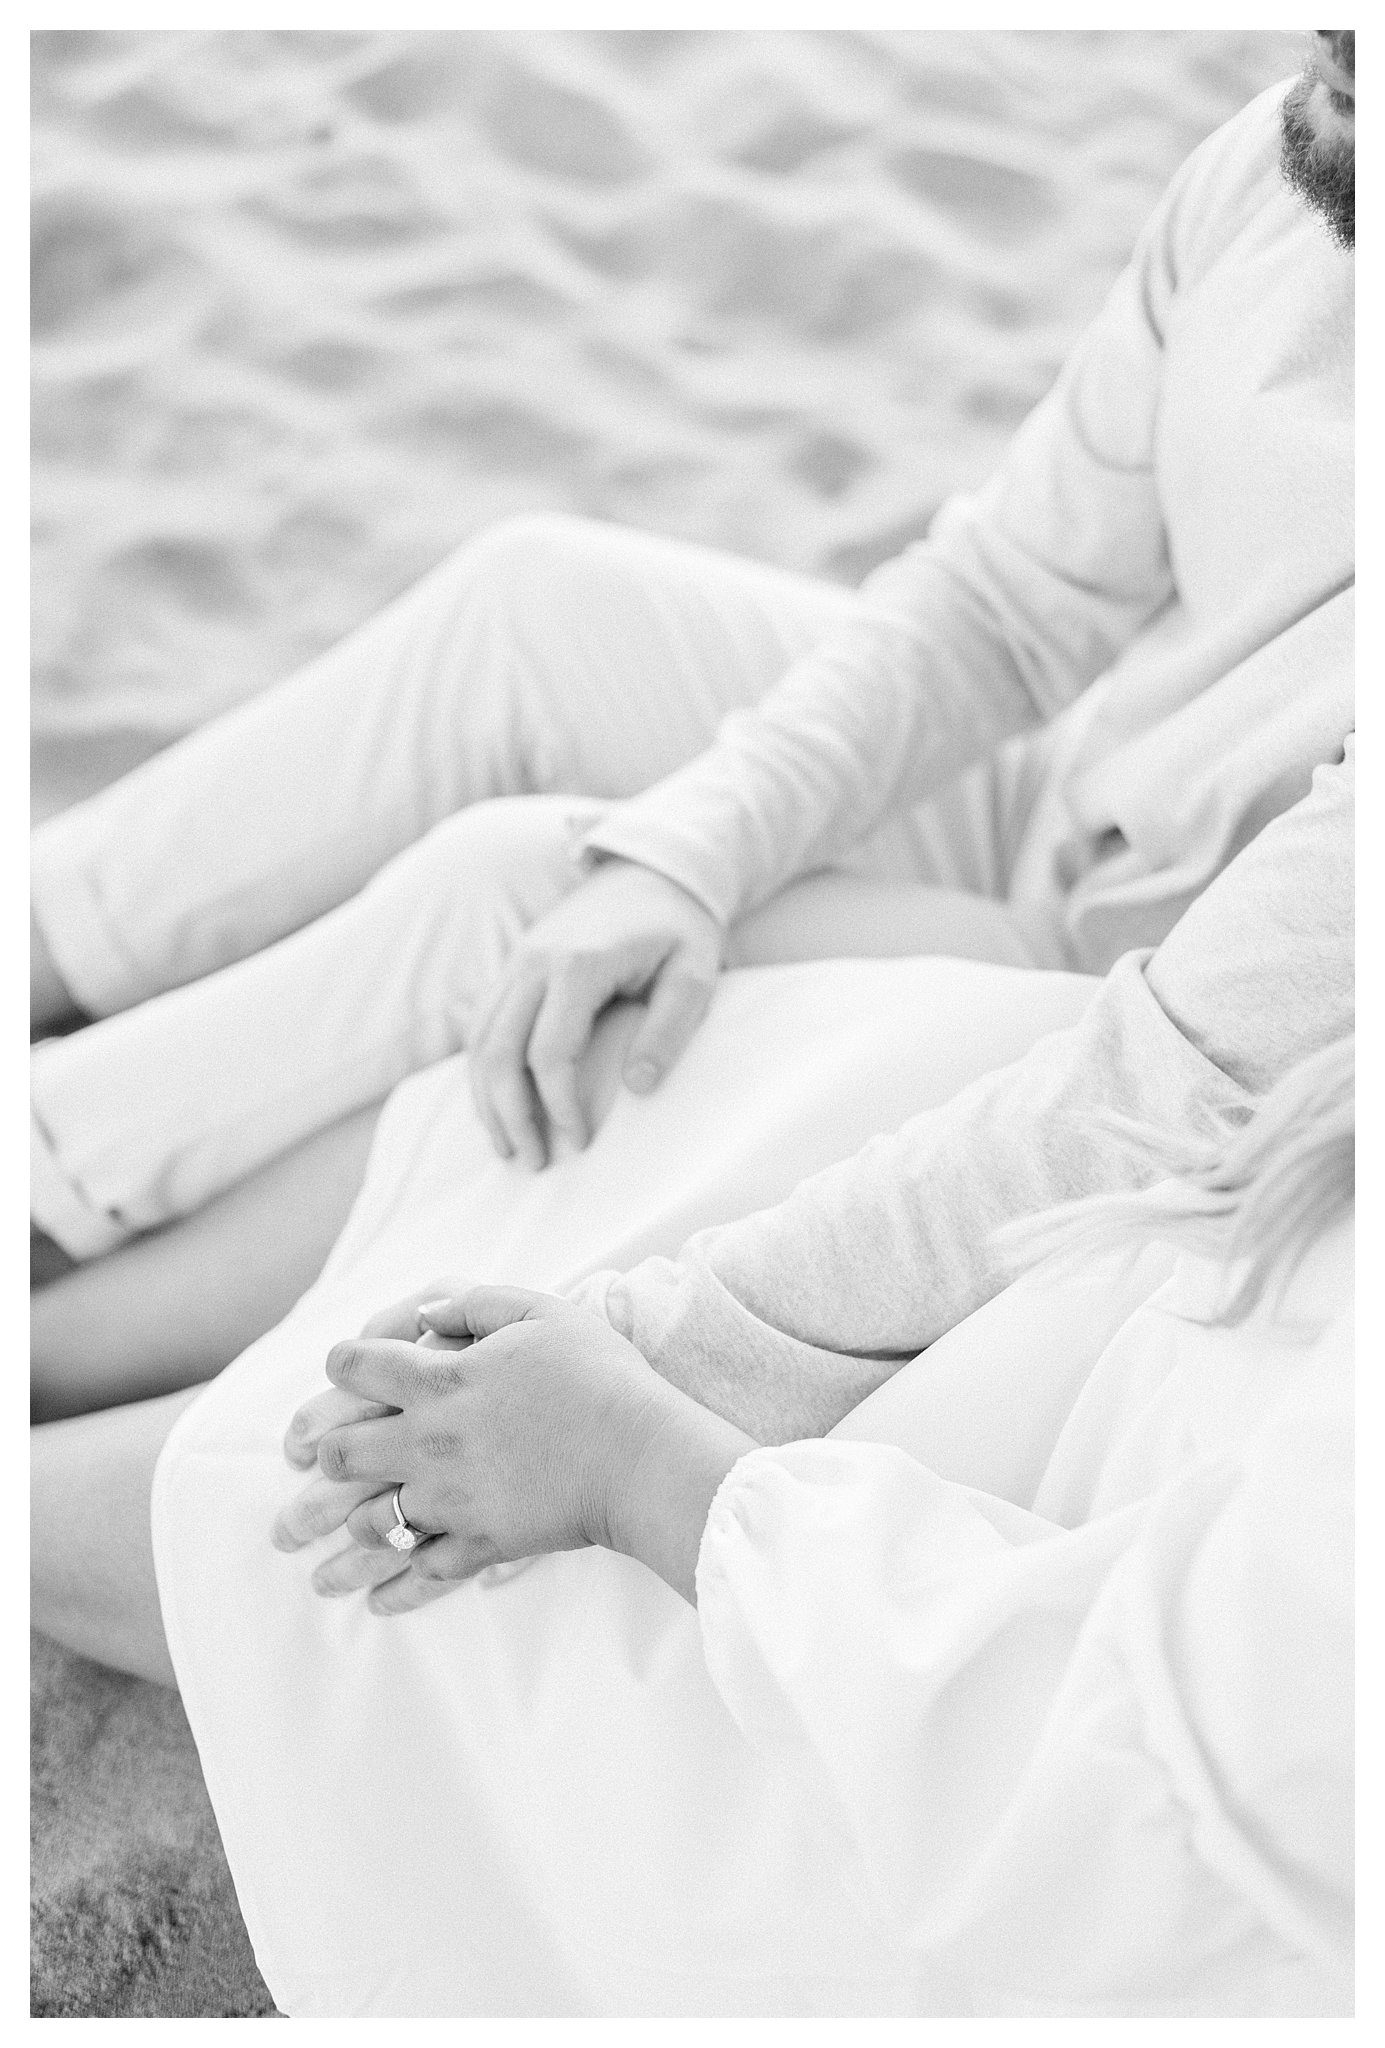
(91, 1572)
(281, 916)
(120, 1344)
(128, 1333)
(120, 1348)
(169, 1310)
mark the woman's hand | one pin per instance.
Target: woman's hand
(322, 1507)
(548, 1433)
(625, 931)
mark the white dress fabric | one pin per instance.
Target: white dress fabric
(1024, 1691)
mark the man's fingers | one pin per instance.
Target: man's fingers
(481, 1102)
(677, 1005)
(514, 1107)
(481, 1311)
(317, 1511)
(561, 1034)
(333, 1408)
(501, 1087)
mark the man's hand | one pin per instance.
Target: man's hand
(625, 931)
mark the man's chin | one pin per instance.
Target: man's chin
(1317, 156)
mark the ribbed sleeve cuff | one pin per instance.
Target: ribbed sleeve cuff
(634, 834)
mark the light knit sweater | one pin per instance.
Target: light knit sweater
(784, 1321)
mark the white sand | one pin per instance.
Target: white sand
(311, 308)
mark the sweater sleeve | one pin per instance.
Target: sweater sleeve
(1019, 598)
(784, 1320)
(1088, 1769)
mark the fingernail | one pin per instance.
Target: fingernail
(428, 1309)
(642, 1075)
(281, 1539)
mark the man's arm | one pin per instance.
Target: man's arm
(784, 1321)
(1019, 598)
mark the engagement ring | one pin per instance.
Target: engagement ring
(403, 1535)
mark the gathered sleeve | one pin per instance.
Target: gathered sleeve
(1021, 595)
(1080, 1770)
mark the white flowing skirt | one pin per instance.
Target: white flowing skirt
(528, 1797)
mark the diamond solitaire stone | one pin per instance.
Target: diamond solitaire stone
(400, 1537)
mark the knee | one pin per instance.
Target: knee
(515, 848)
(519, 557)
(456, 902)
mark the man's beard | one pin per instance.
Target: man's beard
(1322, 172)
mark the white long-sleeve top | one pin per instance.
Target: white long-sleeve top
(1175, 518)
(1090, 1739)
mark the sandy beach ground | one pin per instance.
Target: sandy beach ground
(310, 308)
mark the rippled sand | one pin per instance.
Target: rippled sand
(312, 307)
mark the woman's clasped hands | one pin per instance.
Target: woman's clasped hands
(508, 1423)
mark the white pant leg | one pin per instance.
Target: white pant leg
(146, 1115)
(548, 654)
(585, 658)
(553, 654)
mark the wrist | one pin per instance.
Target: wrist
(603, 859)
(663, 1494)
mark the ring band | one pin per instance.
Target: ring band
(403, 1536)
